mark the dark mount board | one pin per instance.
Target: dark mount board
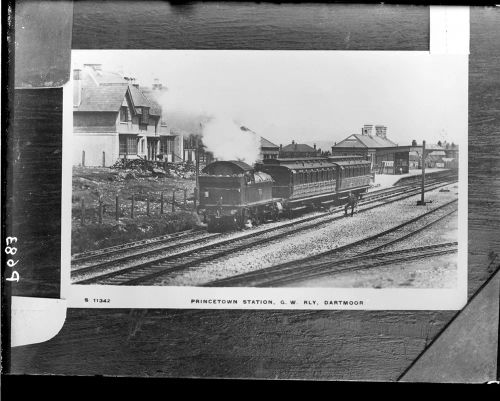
(343, 345)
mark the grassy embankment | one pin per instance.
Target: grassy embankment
(92, 184)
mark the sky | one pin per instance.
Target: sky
(307, 95)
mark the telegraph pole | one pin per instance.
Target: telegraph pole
(422, 200)
(197, 173)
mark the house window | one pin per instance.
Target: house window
(145, 116)
(123, 114)
(128, 145)
(167, 145)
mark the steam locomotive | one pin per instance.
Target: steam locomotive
(232, 193)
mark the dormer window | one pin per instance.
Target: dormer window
(123, 114)
(145, 115)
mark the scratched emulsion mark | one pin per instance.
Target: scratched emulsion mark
(42, 43)
(249, 26)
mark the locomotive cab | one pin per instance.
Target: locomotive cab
(231, 193)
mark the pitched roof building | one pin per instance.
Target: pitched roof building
(113, 118)
(298, 150)
(268, 150)
(385, 155)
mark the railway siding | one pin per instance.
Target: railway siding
(308, 242)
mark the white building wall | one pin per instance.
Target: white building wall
(95, 145)
(179, 148)
(142, 146)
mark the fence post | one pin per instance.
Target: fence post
(147, 205)
(117, 209)
(161, 203)
(173, 201)
(185, 197)
(83, 158)
(82, 215)
(104, 159)
(100, 210)
(132, 207)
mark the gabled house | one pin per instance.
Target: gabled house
(268, 150)
(384, 154)
(298, 150)
(113, 119)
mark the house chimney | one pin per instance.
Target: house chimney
(293, 142)
(367, 129)
(281, 147)
(381, 131)
(314, 146)
(77, 87)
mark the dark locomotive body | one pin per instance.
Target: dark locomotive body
(232, 192)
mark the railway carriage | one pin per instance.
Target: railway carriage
(353, 175)
(317, 182)
(232, 192)
(301, 182)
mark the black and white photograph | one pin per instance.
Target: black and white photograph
(267, 169)
(264, 191)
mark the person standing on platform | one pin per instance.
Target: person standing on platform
(352, 201)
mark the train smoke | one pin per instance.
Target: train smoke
(221, 134)
(228, 141)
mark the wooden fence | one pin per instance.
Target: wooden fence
(135, 206)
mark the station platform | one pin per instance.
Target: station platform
(389, 180)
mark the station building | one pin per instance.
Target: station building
(268, 150)
(386, 156)
(113, 118)
(298, 150)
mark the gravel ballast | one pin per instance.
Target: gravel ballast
(310, 242)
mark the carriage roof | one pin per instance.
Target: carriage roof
(299, 163)
(231, 166)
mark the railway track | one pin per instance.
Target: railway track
(328, 262)
(371, 260)
(144, 271)
(113, 250)
(106, 257)
(138, 249)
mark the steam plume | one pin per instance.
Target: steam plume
(221, 134)
(228, 141)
